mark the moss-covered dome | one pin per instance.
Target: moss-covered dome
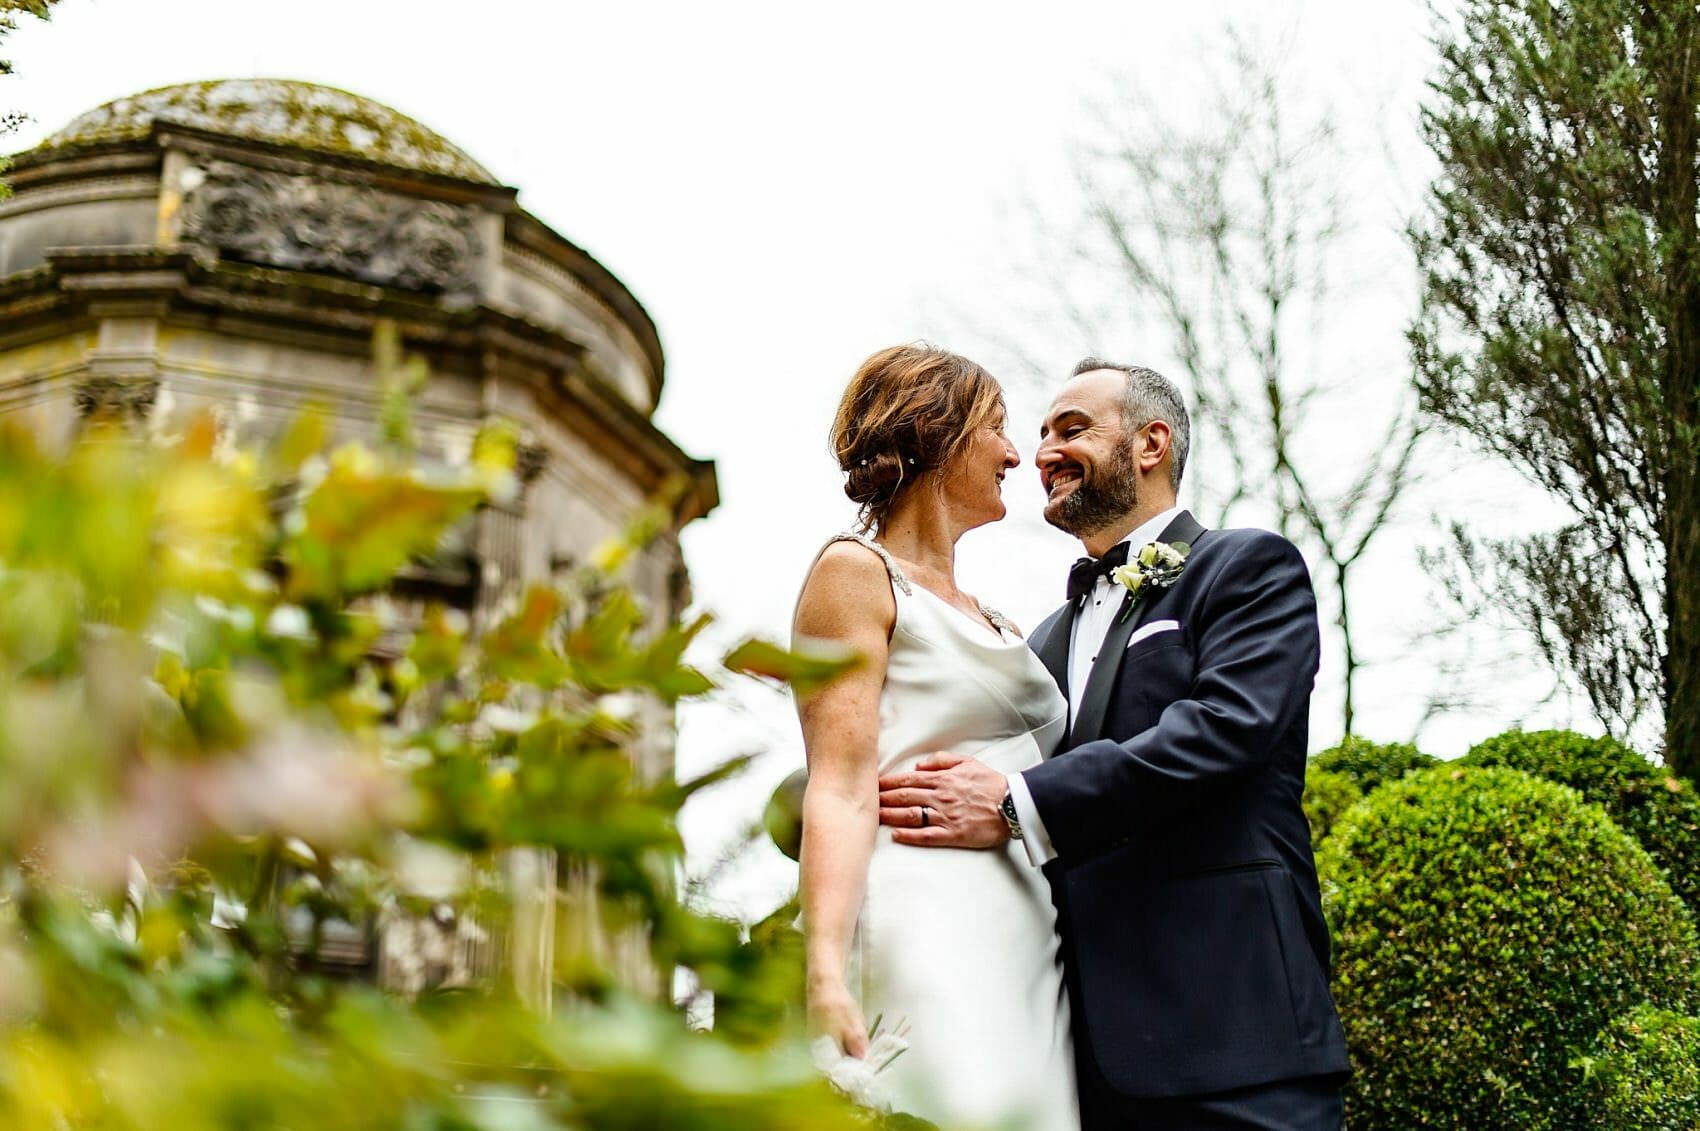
(282, 112)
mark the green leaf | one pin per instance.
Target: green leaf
(806, 668)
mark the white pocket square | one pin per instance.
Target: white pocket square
(1146, 631)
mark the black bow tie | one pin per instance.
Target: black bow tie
(1084, 574)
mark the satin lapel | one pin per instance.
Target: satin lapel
(1107, 669)
(1182, 528)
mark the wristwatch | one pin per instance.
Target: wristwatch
(1009, 815)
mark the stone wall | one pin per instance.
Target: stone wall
(231, 247)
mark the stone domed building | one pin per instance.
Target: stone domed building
(234, 244)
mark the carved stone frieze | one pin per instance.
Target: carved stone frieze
(443, 949)
(311, 224)
(128, 399)
(529, 462)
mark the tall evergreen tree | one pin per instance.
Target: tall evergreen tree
(1561, 328)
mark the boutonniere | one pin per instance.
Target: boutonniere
(1157, 566)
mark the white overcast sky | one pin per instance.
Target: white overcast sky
(788, 187)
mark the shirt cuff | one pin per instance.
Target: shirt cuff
(1034, 838)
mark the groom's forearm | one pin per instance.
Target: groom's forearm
(1257, 656)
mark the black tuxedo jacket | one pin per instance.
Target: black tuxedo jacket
(1192, 933)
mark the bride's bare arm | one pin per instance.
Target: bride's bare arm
(847, 598)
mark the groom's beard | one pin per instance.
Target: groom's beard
(1102, 496)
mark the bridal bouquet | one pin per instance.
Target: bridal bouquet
(858, 1076)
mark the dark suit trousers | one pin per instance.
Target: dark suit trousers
(1287, 1105)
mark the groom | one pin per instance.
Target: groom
(1169, 822)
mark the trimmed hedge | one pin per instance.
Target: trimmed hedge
(1487, 925)
(1661, 812)
(1371, 763)
(1644, 1074)
(1338, 776)
(1327, 795)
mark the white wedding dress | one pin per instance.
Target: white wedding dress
(958, 943)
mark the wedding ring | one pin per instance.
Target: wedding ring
(925, 819)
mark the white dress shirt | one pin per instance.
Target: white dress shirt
(1091, 625)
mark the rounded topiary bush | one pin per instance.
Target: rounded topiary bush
(1487, 925)
(1371, 763)
(1327, 795)
(1337, 777)
(1661, 812)
(1644, 1074)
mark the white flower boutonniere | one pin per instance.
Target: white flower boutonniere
(1157, 565)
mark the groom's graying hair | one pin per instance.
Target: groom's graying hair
(1150, 396)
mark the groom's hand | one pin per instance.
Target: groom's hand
(961, 799)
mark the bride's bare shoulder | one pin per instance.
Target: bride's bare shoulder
(850, 560)
(856, 555)
(847, 582)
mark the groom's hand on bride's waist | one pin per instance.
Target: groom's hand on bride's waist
(947, 801)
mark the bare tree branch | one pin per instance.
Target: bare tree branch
(1223, 235)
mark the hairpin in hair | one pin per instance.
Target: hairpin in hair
(911, 461)
(864, 463)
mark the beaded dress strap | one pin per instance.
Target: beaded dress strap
(997, 619)
(898, 577)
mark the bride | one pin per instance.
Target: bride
(958, 945)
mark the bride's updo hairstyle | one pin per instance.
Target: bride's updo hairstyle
(908, 411)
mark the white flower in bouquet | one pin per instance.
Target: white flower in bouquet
(857, 1077)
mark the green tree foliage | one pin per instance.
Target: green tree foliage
(1561, 329)
(224, 741)
(1661, 812)
(9, 12)
(1487, 926)
(1644, 1074)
